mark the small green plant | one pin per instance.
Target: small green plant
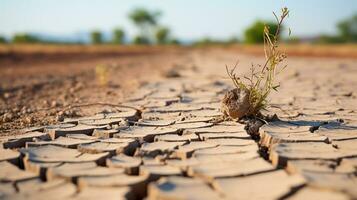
(261, 81)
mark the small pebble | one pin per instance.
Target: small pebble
(7, 117)
(54, 104)
(72, 90)
(29, 120)
(7, 95)
(59, 118)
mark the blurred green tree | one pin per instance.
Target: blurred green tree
(118, 36)
(2, 40)
(203, 41)
(348, 29)
(254, 33)
(206, 41)
(24, 38)
(146, 21)
(96, 37)
(233, 40)
(140, 40)
(174, 41)
(162, 35)
(329, 39)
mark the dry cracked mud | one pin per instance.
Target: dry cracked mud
(171, 146)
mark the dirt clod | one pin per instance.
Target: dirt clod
(29, 120)
(7, 95)
(172, 73)
(54, 104)
(252, 128)
(7, 117)
(235, 103)
(59, 117)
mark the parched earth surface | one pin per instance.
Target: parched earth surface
(161, 138)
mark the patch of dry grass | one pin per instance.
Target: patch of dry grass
(261, 81)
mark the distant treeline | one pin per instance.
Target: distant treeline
(150, 31)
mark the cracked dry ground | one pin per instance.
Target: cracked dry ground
(171, 149)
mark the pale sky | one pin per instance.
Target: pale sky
(187, 19)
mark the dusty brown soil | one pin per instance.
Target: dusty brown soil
(39, 82)
(35, 87)
(176, 146)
